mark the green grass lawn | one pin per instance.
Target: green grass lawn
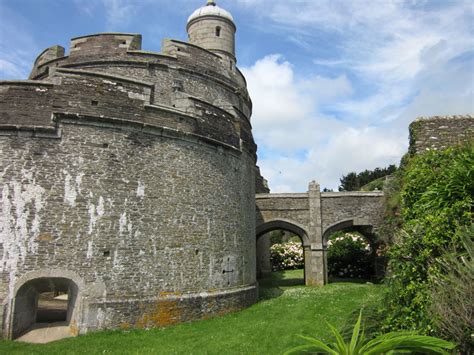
(286, 308)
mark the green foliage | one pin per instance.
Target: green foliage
(286, 256)
(276, 236)
(377, 184)
(452, 294)
(383, 344)
(413, 133)
(354, 181)
(349, 256)
(392, 221)
(436, 202)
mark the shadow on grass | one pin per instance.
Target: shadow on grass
(348, 280)
(271, 285)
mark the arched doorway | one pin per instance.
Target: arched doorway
(43, 302)
(358, 260)
(263, 254)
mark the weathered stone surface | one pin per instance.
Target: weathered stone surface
(439, 132)
(127, 180)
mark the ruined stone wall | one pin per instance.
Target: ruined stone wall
(439, 132)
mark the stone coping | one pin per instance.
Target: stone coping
(107, 34)
(282, 195)
(183, 296)
(449, 117)
(25, 83)
(104, 75)
(194, 46)
(353, 193)
(149, 53)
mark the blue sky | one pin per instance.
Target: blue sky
(334, 83)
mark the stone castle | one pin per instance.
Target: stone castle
(128, 181)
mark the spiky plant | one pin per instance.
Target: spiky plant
(383, 344)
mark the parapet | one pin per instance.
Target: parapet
(50, 54)
(107, 75)
(104, 43)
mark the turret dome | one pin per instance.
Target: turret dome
(210, 9)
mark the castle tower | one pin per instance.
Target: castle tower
(132, 176)
(213, 28)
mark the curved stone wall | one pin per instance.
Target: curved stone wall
(136, 172)
(152, 217)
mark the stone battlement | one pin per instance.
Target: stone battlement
(108, 75)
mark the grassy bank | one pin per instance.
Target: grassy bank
(286, 308)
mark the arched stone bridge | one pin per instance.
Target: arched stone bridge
(314, 216)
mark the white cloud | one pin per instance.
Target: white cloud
(284, 107)
(118, 13)
(287, 120)
(347, 150)
(404, 59)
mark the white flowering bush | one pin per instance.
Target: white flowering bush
(349, 256)
(285, 256)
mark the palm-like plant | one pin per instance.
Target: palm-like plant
(383, 344)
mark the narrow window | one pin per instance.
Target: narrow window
(218, 31)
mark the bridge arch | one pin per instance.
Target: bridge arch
(290, 226)
(355, 224)
(286, 225)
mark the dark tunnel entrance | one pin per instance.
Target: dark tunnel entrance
(45, 301)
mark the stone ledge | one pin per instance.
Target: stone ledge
(25, 83)
(449, 117)
(352, 194)
(30, 131)
(104, 75)
(281, 195)
(183, 296)
(107, 34)
(152, 54)
(168, 309)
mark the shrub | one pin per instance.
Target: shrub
(349, 256)
(285, 256)
(436, 202)
(452, 295)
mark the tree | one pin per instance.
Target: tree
(354, 181)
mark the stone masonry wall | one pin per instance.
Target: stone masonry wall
(439, 132)
(131, 175)
(158, 221)
(291, 207)
(362, 208)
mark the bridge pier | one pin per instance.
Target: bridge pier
(315, 273)
(315, 254)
